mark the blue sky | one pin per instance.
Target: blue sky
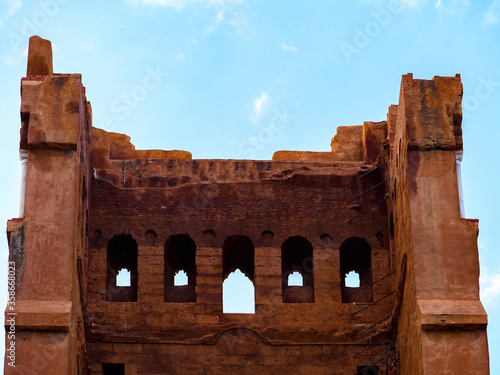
(242, 79)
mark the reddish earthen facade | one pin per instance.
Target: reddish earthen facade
(383, 203)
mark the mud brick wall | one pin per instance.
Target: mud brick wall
(284, 198)
(384, 202)
(237, 351)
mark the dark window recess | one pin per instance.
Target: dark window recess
(368, 370)
(209, 237)
(121, 255)
(355, 255)
(267, 238)
(238, 254)
(113, 369)
(151, 237)
(180, 257)
(297, 257)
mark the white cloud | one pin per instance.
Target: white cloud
(225, 2)
(404, 3)
(224, 11)
(489, 281)
(237, 21)
(178, 4)
(459, 7)
(492, 15)
(259, 104)
(179, 56)
(490, 287)
(226, 14)
(13, 6)
(412, 3)
(289, 48)
(215, 22)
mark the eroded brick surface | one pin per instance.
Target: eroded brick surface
(382, 203)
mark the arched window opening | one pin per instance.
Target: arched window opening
(355, 256)
(352, 280)
(238, 292)
(181, 278)
(121, 275)
(180, 269)
(297, 258)
(295, 279)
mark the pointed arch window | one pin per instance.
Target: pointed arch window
(121, 275)
(297, 270)
(180, 263)
(238, 288)
(355, 257)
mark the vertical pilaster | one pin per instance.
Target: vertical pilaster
(46, 240)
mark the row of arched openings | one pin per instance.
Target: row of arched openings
(238, 271)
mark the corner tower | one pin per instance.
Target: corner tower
(49, 241)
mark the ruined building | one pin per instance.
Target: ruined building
(384, 205)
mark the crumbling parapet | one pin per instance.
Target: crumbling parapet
(351, 143)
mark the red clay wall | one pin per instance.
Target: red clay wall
(441, 324)
(235, 198)
(85, 186)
